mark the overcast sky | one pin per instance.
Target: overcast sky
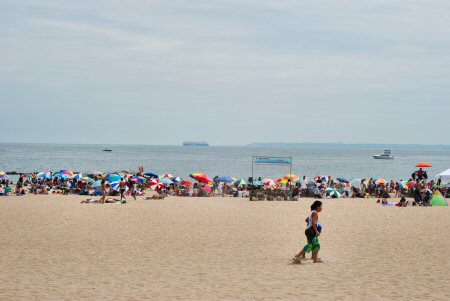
(228, 71)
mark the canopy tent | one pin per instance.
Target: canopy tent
(445, 175)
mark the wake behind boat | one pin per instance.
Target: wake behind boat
(107, 150)
(386, 155)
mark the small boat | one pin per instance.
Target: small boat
(386, 155)
(107, 150)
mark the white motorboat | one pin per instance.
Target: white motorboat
(386, 155)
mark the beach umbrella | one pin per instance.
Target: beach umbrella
(224, 179)
(177, 180)
(97, 183)
(115, 185)
(241, 182)
(186, 183)
(424, 165)
(202, 178)
(333, 193)
(156, 184)
(138, 179)
(67, 172)
(87, 179)
(166, 181)
(78, 176)
(108, 176)
(381, 181)
(151, 175)
(257, 183)
(167, 175)
(61, 176)
(3, 175)
(44, 175)
(292, 177)
(268, 182)
(402, 184)
(411, 184)
(343, 180)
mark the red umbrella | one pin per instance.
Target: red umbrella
(186, 183)
(202, 178)
(424, 165)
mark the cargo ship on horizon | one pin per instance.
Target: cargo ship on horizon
(195, 143)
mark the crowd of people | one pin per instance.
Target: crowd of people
(289, 187)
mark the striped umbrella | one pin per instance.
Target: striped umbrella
(78, 176)
(44, 175)
(151, 175)
(87, 179)
(156, 184)
(167, 175)
(67, 172)
(138, 179)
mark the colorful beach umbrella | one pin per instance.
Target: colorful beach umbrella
(67, 172)
(424, 165)
(87, 179)
(115, 185)
(167, 175)
(202, 178)
(138, 179)
(292, 177)
(44, 175)
(241, 182)
(3, 175)
(268, 182)
(381, 181)
(156, 184)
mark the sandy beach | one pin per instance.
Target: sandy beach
(54, 248)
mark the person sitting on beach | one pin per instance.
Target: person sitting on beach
(312, 235)
(402, 203)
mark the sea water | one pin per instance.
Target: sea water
(346, 161)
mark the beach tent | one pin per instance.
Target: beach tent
(445, 175)
(438, 199)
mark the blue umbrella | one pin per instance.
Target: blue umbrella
(115, 185)
(224, 179)
(97, 183)
(166, 181)
(114, 178)
(257, 183)
(151, 175)
(177, 180)
(78, 176)
(343, 180)
(61, 176)
(44, 175)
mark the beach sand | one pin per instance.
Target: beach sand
(54, 248)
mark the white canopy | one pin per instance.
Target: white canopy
(445, 175)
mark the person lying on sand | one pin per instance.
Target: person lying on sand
(107, 201)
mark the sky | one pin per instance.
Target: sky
(230, 72)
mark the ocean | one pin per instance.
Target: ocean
(309, 160)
